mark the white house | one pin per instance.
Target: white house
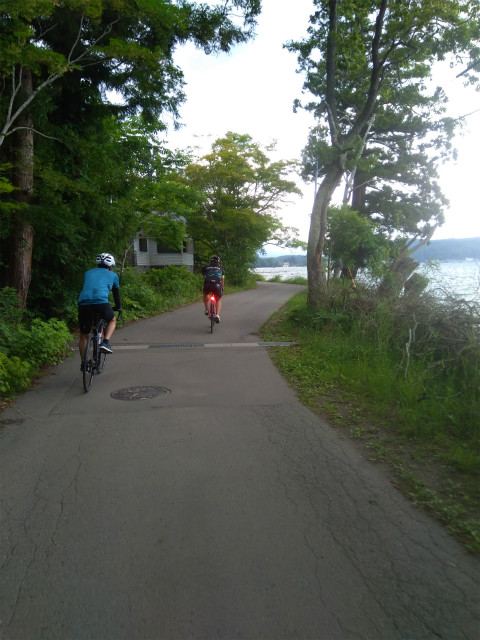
(150, 254)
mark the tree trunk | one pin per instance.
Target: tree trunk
(317, 281)
(21, 242)
(397, 276)
(359, 192)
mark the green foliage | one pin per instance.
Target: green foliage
(26, 347)
(132, 50)
(41, 344)
(241, 189)
(10, 316)
(146, 294)
(367, 64)
(351, 238)
(175, 284)
(15, 375)
(97, 178)
(420, 358)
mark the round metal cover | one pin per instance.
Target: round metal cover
(139, 393)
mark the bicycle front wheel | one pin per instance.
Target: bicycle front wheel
(89, 363)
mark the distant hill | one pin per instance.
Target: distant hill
(443, 250)
(451, 249)
(278, 261)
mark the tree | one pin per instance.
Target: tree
(95, 196)
(242, 189)
(350, 240)
(361, 59)
(92, 47)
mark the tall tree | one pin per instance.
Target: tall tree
(356, 56)
(121, 45)
(242, 190)
(94, 195)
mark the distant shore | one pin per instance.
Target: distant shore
(450, 250)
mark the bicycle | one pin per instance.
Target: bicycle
(212, 310)
(93, 359)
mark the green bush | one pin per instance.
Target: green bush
(145, 294)
(42, 344)
(15, 375)
(10, 316)
(175, 283)
(139, 300)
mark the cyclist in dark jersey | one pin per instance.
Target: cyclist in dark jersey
(93, 298)
(213, 282)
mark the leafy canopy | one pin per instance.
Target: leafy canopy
(242, 189)
(367, 64)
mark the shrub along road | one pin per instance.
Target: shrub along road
(219, 508)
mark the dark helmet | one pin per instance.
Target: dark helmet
(215, 261)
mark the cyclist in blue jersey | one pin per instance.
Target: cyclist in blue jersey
(93, 298)
(213, 282)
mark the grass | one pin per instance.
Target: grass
(417, 415)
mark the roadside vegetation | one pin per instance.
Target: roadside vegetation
(402, 378)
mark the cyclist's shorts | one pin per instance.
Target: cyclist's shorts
(86, 313)
(213, 287)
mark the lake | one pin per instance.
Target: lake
(461, 279)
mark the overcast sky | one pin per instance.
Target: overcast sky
(252, 89)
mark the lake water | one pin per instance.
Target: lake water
(461, 279)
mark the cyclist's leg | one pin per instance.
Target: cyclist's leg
(107, 313)
(82, 343)
(206, 293)
(110, 328)
(219, 299)
(85, 316)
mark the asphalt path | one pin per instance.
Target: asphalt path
(205, 502)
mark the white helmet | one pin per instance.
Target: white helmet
(105, 259)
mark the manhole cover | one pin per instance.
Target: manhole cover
(140, 393)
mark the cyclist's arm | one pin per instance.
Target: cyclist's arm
(116, 297)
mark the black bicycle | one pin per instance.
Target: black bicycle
(212, 310)
(94, 359)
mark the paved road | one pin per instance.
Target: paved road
(222, 509)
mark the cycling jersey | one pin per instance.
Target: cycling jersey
(213, 274)
(212, 280)
(97, 284)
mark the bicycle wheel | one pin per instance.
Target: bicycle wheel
(89, 363)
(212, 316)
(102, 357)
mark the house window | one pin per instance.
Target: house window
(162, 248)
(143, 244)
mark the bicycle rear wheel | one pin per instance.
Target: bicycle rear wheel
(89, 363)
(212, 316)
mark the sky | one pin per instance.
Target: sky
(251, 91)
